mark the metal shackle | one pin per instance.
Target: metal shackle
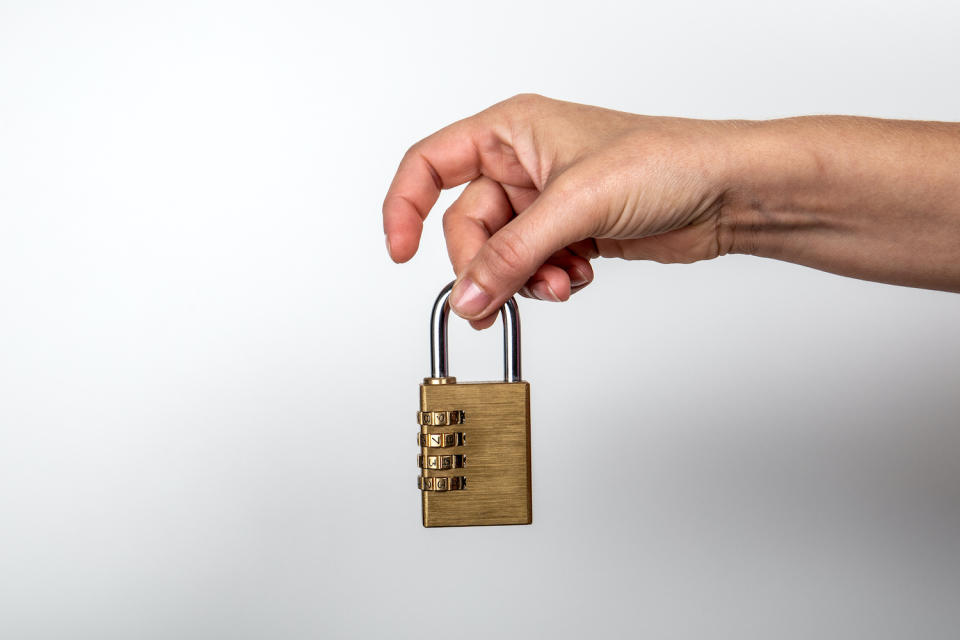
(439, 318)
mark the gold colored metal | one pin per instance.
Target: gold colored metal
(446, 483)
(441, 440)
(451, 461)
(496, 437)
(440, 418)
(446, 380)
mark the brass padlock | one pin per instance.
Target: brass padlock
(474, 436)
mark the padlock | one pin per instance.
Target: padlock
(474, 436)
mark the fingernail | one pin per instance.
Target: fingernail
(577, 278)
(468, 299)
(542, 291)
(386, 241)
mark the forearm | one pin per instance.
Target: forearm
(867, 198)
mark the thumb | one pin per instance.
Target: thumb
(509, 257)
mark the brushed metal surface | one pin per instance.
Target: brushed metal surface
(496, 427)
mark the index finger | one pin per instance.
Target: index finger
(448, 158)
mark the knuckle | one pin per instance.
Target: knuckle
(527, 98)
(507, 254)
(409, 154)
(414, 150)
(449, 217)
(525, 103)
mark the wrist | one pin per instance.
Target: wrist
(774, 185)
(861, 197)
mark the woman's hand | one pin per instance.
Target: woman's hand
(553, 184)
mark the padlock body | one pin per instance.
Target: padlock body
(491, 434)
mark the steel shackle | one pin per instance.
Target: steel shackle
(439, 319)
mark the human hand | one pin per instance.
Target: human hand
(554, 184)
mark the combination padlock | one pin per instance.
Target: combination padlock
(474, 436)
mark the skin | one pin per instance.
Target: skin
(552, 185)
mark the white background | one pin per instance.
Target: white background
(209, 367)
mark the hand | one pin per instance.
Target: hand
(554, 184)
